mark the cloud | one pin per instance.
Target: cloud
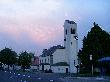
(25, 8)
(40, 22)
(6, 1)
(19, 16)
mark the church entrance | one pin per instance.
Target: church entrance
(66, 70)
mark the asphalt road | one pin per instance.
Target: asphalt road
(27, 77)
(45, 77)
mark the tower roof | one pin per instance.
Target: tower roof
(70, 22)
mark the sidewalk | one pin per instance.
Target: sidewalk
(86, 79)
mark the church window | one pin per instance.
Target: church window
(71, 43)
(65, 39)
(74, 62)
(45, 60)
(72, 31)
(48, 60)
(66, 31)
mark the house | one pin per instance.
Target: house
(35, 63)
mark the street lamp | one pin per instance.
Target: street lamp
(92, 63)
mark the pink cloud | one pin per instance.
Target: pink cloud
(39, 31)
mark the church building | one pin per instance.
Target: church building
(63, 59)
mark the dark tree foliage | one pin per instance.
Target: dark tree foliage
(97, 44)
(7, 56)
(24, 60)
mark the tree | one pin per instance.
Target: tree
(24, 60)
(97, 44)
(7, 56)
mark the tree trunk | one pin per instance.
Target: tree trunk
(23, 69)
(8, 67)
(13, 67)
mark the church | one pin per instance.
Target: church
(62, 59)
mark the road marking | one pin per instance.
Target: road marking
(100, 78)
(24, 75)
(39, 78)
(51, 80)
(18, 74)
(29, 76)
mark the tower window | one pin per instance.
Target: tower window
(66, 31)
(65, 39)
(71, 43)
(72, 31)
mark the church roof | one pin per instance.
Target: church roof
(51, 50)
(44, 64)
(61, 64)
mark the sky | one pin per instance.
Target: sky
(34, 25)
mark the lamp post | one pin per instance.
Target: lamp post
(91, 59)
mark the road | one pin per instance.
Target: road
(45, 77)
(27, 77)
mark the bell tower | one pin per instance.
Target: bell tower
(71, 44)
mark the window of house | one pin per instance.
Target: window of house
(40, 61)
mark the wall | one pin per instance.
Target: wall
(59, 56)
(59, 69)
(44, 59)
(46, 67)
(34, 67)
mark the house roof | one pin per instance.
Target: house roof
(61, 64)
(104, 59)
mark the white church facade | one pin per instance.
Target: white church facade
(64, 59)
